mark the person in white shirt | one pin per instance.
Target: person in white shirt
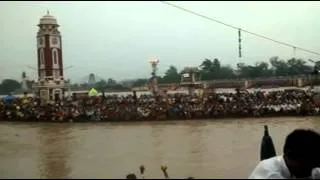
(300, 159)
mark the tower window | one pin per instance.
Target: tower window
(41, 57)
(55, 57)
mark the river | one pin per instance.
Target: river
(202, 149)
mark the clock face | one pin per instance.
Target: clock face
(54, 40)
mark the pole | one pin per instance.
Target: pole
(239, 40)
(267, 148)
(154, 81)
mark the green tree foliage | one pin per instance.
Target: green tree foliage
(209, 69)
(213, 69)
(140, 82)
(108, 85)
(7, 86)
(171, 75)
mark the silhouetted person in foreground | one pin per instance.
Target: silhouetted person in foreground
(300, 159)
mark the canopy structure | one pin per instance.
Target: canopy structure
(93, 92)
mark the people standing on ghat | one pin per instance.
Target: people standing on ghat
(300, 159)
(177, 106)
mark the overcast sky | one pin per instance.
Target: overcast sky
(115, 39)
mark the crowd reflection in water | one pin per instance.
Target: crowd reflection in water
(54, 152)
(173, 106)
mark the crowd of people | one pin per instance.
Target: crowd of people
(171, 106)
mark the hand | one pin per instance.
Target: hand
(142, 168)
(164, 168)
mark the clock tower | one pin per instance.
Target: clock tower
(51, 84)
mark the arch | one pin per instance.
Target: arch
(55, 57)
(57, 92)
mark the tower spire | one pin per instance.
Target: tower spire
(48, 12)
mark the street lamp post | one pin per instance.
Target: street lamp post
(154, 82)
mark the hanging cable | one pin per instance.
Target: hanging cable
(234, 27)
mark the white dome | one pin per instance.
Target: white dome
(48, 19)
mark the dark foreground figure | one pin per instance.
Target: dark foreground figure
(300, 159)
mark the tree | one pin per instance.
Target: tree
(216, 66)
(279, 67)
(206, 68)
(206, 65)
(74, 86)
(243, 70)
(261, 69)
(84, 85)
(140, 82)
(101, 85)
(209, 70)
(214, 70)
(226, 72)
(298, 67)
(171, 76)
(9, 85)
(111, 82)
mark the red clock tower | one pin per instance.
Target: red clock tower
(51, 84)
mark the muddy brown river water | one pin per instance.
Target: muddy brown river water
(202, 149)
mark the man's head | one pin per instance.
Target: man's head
(302, 152)
(131, 176)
